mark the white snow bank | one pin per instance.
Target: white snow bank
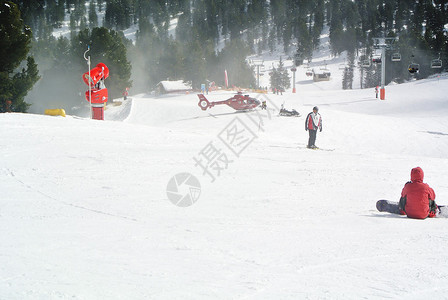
(174, 86)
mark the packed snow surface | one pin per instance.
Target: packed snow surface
(85, 212)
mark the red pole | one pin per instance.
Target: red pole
(98, 111)
(294, 69)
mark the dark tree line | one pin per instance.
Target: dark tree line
(297, 24)
(18, 70)
(213, 35)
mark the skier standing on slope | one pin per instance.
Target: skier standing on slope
(417, 198)
(313, 122)
(125, 94)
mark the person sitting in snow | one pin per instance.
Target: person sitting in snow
(313, 122)
(417, 198)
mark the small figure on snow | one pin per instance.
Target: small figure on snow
(376, 92)
(263, 104)
(417, 198)
(313, 122)
(8, 104)
(126, 94)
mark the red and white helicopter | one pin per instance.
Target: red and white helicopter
(237, 102)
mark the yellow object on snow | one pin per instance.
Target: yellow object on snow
(55, 112)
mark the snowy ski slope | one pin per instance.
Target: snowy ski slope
(85, 213)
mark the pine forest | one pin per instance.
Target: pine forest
(195, 40)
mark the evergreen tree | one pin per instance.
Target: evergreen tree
(22, 83)
(336, 28)
(107, 46)
(233, 59)
(319, 19)
(347, 79)
(304, 45)
(184, 27)
(271, 41)
(280, 78)
(100, 4)
(54, 12)
(118, 14)
(170, 65)
(15, 38)
(32, 13)
(195, 64)
(352, 20)
(93, 17)
(372, 77)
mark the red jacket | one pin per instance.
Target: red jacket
(416, 196)
(313, 121)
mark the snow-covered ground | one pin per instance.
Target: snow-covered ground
(85, 212)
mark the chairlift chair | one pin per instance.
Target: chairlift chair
(413, 68)
(376, 59)
(309, 72)
(365, 63)
(436, 63)
(325, 72)
(396, 57)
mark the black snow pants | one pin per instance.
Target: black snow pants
(312, 139)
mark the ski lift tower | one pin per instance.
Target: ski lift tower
(294, 69)
(258, 64)
(90, 81)
(383, 44)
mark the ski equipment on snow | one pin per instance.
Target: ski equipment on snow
(392, 207)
